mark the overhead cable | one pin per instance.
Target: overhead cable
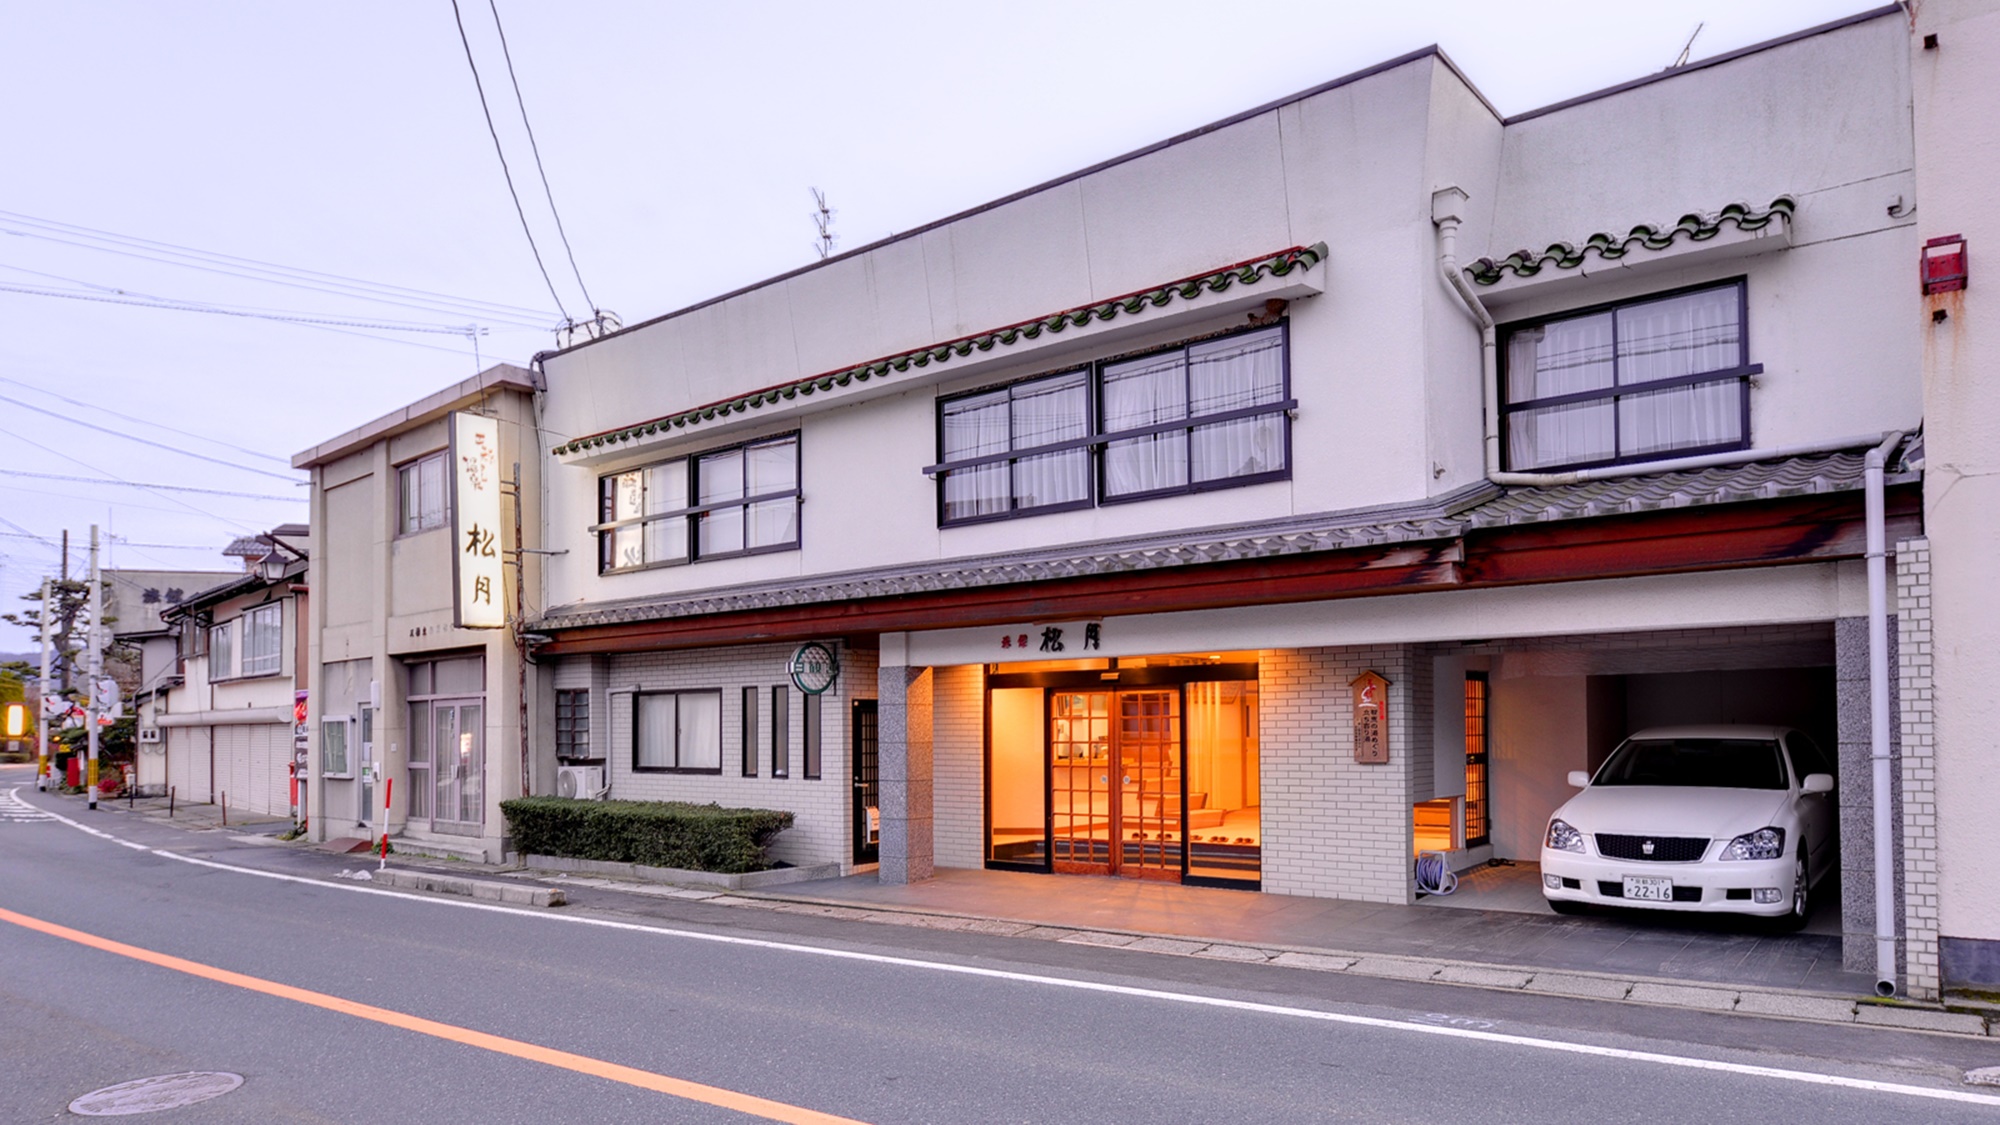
(143, 421)
(173, 305)
(458, 18)
(280, 274)
(159, 487)
(163, 493)
(537, 150)
(148, 441)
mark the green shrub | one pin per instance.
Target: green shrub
(648, 833)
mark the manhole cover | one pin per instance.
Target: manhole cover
(150, 1095)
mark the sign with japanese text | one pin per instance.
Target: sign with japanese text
(1371, 719)
(478, 601)
(1064, 641)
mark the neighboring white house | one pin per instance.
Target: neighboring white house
(133, 603)
(1150, 466)
(226, 721)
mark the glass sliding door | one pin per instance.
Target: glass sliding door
(1225, 827)
(1017, 779)
(1148, 825)
(1115, 783)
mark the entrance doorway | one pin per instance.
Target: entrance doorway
(447, 758)
(867, 786)
(1142, 768)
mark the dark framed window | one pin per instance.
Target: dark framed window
(1478, 817)
(750, 732)
(781, 731)
(677, 732)
(1664, 375)
(1212, 413)
(573, 724)
(422, 503)
(740, 500)
(809, 745)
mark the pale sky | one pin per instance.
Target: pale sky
(679, 139)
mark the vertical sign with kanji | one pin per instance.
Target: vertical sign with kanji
(1371, 718)
(478, 601)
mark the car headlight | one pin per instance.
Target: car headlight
(1765, 843)
(1564, 838)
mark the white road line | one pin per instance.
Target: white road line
(1804, 1077)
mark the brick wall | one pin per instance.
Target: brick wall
(822, 807)
(959, 745)
(1334, 828)
(1918, 773)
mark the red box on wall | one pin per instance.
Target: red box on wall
(1942, 264)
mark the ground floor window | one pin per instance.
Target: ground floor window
(1156, 778)
(447, 736)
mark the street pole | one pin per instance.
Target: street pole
(42, 724)
(96, 663)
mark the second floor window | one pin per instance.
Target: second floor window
(736, 501)
(1637, 381)
(263, 640)
(1210, 414)
(222, 651)
(420, 487)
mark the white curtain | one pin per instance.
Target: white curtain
(721, 478)
(1561, 435)
(976, 427)
(1681, 418)
(1563, 357)
(1229, 375)
(1042, 413)
(656, 732)
(1685, 335)
(768, 468)
(700, 730)
(1142, 393)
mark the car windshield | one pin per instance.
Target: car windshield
(1711, 763)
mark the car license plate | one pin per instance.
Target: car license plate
(1650, 890)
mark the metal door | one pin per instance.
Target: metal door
(867, 790)
(458, 766)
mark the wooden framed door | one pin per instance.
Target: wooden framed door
(1115, 791)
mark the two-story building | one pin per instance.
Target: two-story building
(1251, 510)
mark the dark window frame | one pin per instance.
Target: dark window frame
(750, 747)
(677, 768)
(693, 511)
(1741, 373)
(1098, 439)
(573, 726)
(809, 736)
(781, 731)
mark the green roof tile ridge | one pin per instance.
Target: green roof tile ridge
(1693, 227)
(1280, 264)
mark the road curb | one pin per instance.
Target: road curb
(513, 894)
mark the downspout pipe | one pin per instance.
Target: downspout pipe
(1878, 717)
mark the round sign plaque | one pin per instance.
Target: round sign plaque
(814, 667)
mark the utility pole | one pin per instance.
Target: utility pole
(47, 690)
(96, 663)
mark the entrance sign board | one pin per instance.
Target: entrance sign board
(478, 601)
(1371, 719)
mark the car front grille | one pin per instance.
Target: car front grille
(1651, 849)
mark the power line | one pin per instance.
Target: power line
(284, 274)
(537, 150)
(161, 487)
(121, 297)
(73, 459)
(143, 421)
(147, 441)
(504, 170)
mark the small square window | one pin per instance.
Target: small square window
(420, 487)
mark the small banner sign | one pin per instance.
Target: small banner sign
(1371, 719)
(478, 601)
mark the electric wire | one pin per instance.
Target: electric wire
(438, 302)
(480, 86)
(149, 441)
(537, 150)
(181, 305)
(162, 493)
(162, 487)
(143, 421)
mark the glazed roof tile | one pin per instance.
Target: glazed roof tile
(1242, 273)
(1474, 508)
(1693, 227)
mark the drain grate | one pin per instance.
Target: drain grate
(150, 1095)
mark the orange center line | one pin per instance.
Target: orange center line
(582, 1064)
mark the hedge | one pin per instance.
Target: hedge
(649, 833)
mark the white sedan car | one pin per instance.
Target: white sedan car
(1728, 819)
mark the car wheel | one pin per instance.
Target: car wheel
(1565, 906)
(1802, 903)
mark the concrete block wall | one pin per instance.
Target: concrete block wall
(822, 808)
(1857, 788)
(1334, 828)
(1912, 675)
(958, 746)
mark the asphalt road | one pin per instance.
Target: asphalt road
(859, 1021)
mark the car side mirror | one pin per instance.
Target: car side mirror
(1579, 778)
(1817, 783)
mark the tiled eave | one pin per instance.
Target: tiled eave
(1469, 511)
(1641, 240)
(1248, 273)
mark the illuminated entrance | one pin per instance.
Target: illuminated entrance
(1145, 769)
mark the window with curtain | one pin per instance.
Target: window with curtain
(1643, 379)
(677, 731)
(734, 501)
(420, 488)
(222, 651)
(1201, 415)
(263, 640)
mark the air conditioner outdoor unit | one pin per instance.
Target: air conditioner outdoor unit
(585, 782)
